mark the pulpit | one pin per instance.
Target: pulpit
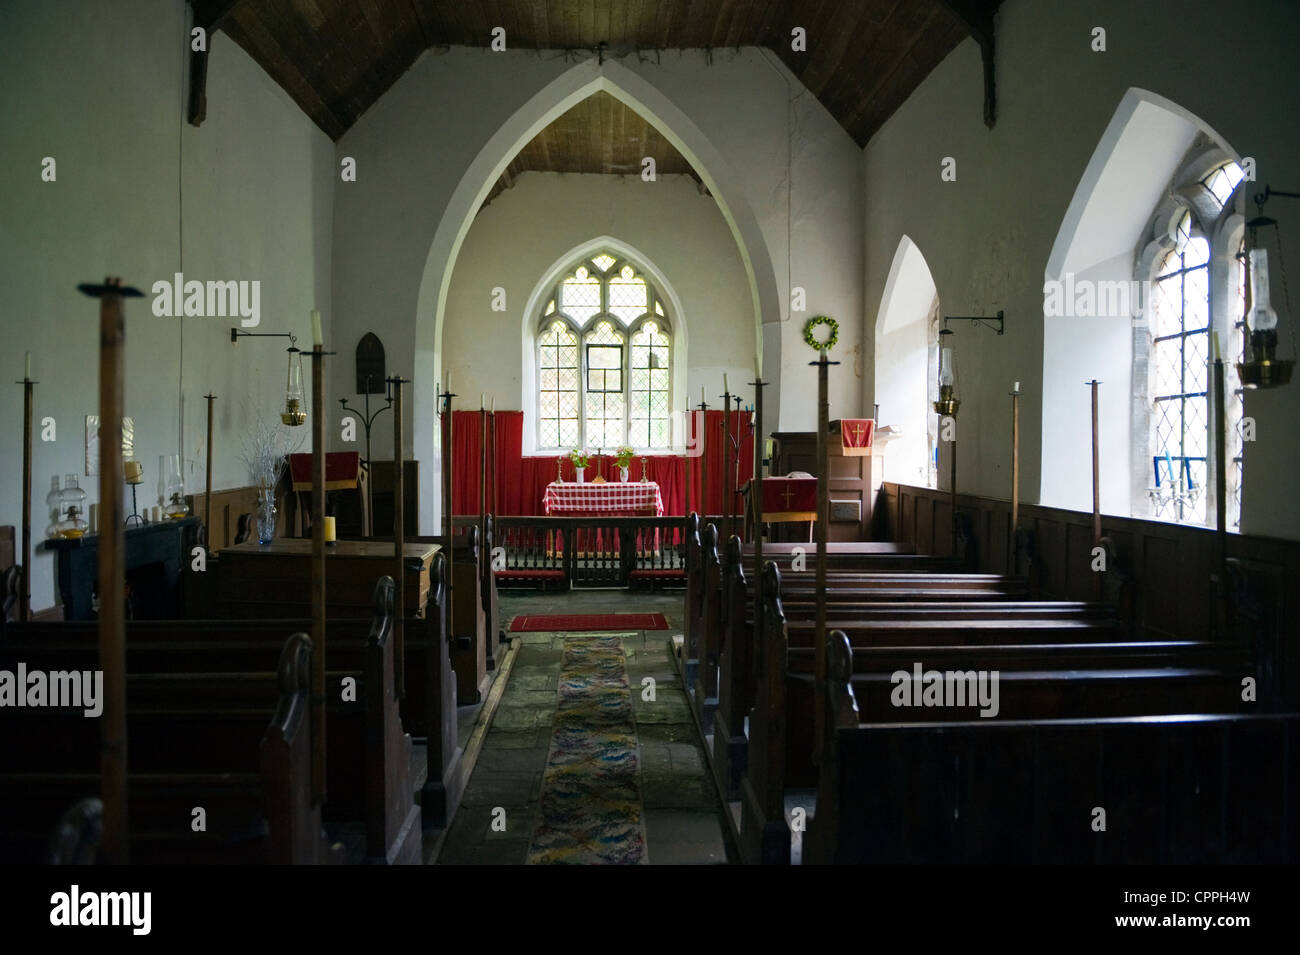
(856, 472)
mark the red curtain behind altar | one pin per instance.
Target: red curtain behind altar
(521, 481)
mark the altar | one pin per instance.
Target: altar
(608, 499)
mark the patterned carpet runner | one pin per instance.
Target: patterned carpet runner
(590, 811)
(571, 622)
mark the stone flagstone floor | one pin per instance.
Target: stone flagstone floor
(681, 812)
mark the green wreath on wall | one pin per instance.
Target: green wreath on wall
(811, 339)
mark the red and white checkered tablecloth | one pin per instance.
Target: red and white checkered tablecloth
(611, 499)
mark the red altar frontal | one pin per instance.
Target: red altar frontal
(610, 499)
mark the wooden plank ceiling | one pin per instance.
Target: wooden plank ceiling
(599, 135)
(337, 57)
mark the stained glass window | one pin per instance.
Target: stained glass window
(617, 387)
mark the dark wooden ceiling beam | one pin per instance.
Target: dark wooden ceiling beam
(978, 18)
(209, 15)
(335, 58)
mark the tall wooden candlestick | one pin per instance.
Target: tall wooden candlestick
(318, 571)
(112, 569)
(25, 584)
(1015, 475)
(447, 473)
(686, 462)
(756, 497)
(704, 471)
(1096, 465)
(399, 535)
(1220, 471)
(726, 465)
(823, 520)
(482, 519)
(207, 486)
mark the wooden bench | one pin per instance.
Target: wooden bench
(255, 788)
(182, 665)
(705, 595)
(1054, 667)
(428, 708)
(1186, 788)
(725, 677)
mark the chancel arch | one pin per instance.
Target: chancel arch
(551, 101)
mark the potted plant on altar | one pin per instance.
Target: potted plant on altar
(580, 460)
(623, 457)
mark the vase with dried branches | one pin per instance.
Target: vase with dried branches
(265, 450)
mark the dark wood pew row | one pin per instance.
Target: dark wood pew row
(255, 788)
(428, 708)
(182, 665)
(723, 688)
(706, 599)
(1048, 669)
(1181, 788)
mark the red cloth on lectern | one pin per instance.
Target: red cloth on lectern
(782, 495)
(341, 470)
(856, 432)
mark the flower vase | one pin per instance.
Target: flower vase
(265, 516)
(622, 475)
(580, 475)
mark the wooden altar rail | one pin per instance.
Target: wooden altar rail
(587, 551)
(1164, 578)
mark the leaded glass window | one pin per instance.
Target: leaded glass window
(1180, 348)
(557, 381)
(648, 420)
(617, 387)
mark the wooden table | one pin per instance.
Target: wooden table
(274, 580)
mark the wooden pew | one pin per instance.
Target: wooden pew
(1051, 673)
(488, 596)
(258, 809)
(469, 624)
(1186, 788)
(179, 664)
(725, 689)
(706, 599)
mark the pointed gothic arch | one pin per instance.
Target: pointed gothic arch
(568, 89)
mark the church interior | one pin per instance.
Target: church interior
(696, 432)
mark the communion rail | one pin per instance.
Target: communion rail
(587, 551)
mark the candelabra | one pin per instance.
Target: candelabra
(368, 419)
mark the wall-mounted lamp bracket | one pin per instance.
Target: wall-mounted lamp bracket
(979, 320)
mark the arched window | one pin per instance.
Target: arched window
(1190, 301)
(604, 360)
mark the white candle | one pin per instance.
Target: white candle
(725, 390)
(1017, 387)
(494, 404)
(1214, 341)
(316, 337)
(27, 371)
(330, 532)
